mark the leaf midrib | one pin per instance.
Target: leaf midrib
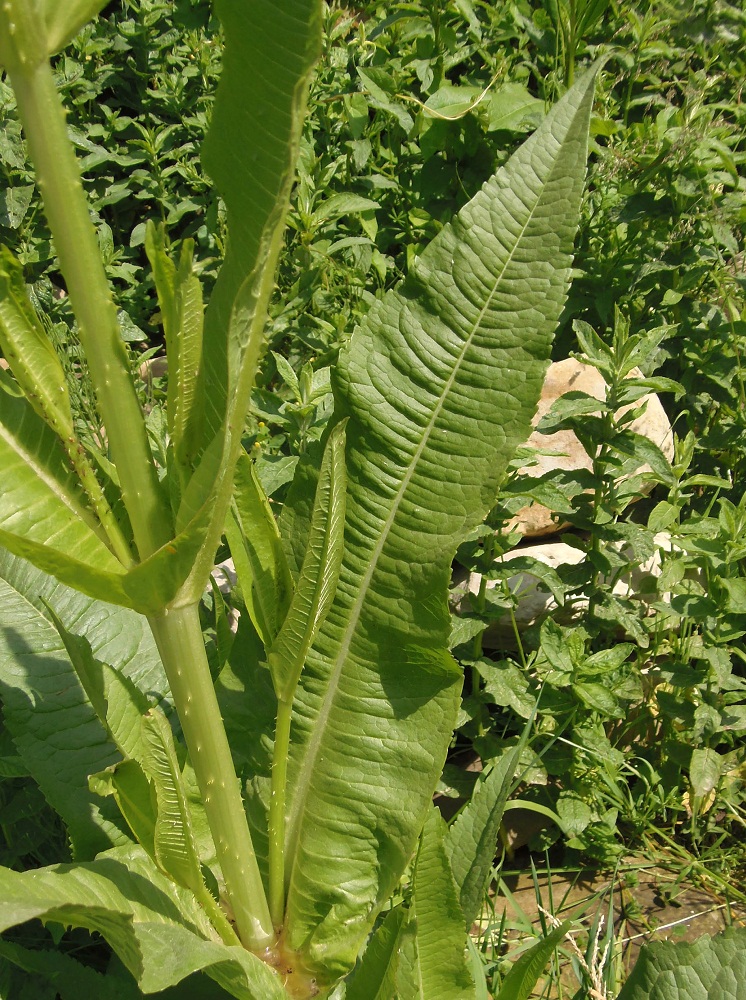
(322, 717)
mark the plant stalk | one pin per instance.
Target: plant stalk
(66, 208)
(179, 639)
(277, 813)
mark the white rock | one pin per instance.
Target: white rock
(535, 603)
(566, 451)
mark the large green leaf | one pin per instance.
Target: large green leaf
(441, 968)
(45, 707)
(439, 383)
(712, 968)
(155, 927)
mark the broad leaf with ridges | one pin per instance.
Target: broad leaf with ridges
(440, 383)
(44, 704)
(155, 927)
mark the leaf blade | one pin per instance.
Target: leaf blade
(319, 573)
(442, 970)
(422, 471)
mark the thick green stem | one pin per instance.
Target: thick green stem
(58, 178)
(277, 813)
(180, 643)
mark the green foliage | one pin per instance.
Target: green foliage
(711, 967)
(637, 737)
(356, 646)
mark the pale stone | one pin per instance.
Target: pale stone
(534, 602)
(566, 452)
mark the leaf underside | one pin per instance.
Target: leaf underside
(439, 384)
(155, 927)
(44, 705)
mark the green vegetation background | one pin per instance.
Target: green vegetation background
(639, 739)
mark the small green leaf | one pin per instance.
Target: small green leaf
(513, 108)
(442, 967)
(645, 451)
(182, 314)
(374, 977)
(520, 981)
(256, 547)
(288, 375)
(317, 582)
(472, 838)
(135, 796)
(599, 698)
(704, 771)
(175, 849)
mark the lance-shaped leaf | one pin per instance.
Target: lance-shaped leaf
(439, 382)
(175, 848)
(375, 975)
(256, 547)
(130, 788)
(441, 969)
(319, 574)
(155, 927)
(472, 838)
(523, 976)
(36, 676)
(182, 315)
(29, 352)
(250, 153)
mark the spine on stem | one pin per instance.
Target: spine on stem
(180, 643)
(66, 208)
